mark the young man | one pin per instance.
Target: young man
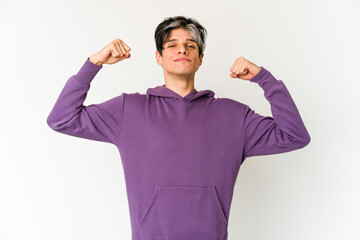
(181, 149)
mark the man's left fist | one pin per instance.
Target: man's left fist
(244, 69)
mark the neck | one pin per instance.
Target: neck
(182, 85)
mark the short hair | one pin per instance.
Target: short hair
(197, 31)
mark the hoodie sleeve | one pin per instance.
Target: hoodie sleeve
(284, 132)
(100, 122)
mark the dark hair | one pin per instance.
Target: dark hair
(197, 31)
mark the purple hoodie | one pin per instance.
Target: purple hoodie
(180, 155)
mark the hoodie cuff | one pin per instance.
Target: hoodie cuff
(87, 72)
(264, 78)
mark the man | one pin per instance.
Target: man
(181, 149)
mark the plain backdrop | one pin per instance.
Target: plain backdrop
(54, 186)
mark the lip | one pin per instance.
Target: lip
(182, 59)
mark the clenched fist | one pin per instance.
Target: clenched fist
(244, 69)
(114, 52)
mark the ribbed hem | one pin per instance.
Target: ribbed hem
(87, 72)
(264, 78)
(258, 77)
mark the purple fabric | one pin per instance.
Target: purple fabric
(181, 156)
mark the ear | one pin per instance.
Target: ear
(159, 58)
(201, 57)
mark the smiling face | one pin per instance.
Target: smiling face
(180, 54)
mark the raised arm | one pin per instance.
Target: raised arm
(100, 122)
(264, 135)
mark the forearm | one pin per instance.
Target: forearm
(284, 131)
(73, 95)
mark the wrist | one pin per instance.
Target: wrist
(95, 61)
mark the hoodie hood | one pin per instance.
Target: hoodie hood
(162, 91)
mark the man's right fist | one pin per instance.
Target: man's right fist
(114, 52)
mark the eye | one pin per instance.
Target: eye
(191, 46)
(172, 46)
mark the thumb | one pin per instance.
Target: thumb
(233, 75)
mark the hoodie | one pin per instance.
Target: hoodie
(180, 155)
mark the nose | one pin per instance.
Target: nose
(182, 49)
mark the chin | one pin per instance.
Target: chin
(184, 73)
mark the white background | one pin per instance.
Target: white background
(54, 186)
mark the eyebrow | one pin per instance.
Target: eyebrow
(173, 40)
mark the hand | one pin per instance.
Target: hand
(244, 69)
(114, 52)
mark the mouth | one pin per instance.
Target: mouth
(182, 60)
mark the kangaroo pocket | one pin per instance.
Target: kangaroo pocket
(182, 213)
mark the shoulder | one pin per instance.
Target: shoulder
(134, 95)
(229, 103)
(134, 98)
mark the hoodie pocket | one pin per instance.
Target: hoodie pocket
(184, 212)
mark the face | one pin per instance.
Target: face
(180, 54)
